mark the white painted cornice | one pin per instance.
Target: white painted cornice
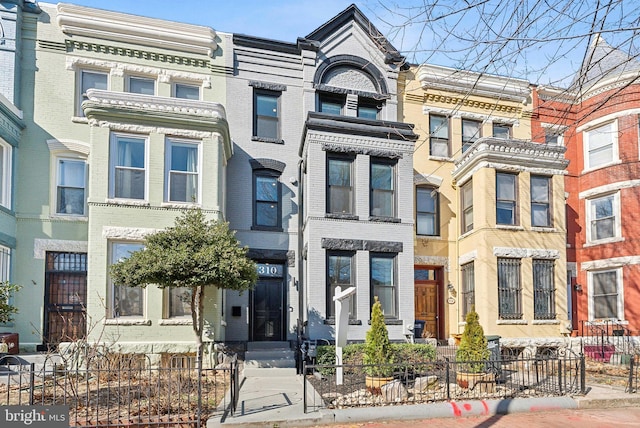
(524, 155)
(468, 82)
(430, 180)
(67, 145)
(103, 24)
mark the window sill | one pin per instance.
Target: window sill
(175, 321)
(267, 228)
(595, 168)
(512, 322)
(545, 322)
(609, 321)
(79, 119)
(509, 227)
(267, 140)
(603, 241)
(431, 237)
(70, 217)
(332, 321)
(339, 216)
(441, 158)
(380, 219)
(126, 321)
(180, 205)
(129, 202)
(543, 229)
(390, 321)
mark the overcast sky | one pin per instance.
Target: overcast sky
(535, 40)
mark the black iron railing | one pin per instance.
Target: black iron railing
(112, 390)
(605, 338)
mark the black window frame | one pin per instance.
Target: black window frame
(277, 118)
(368, 103)
(394, 277)
(340, 158)
(276, 176)
(512, 202)
(544, 300)
(330, 286)
(541, 203)
(330, 98)
(509, 288)
(393, 166)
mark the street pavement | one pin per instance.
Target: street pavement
(578, 418)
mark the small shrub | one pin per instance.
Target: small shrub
(473, 349)
(377, 349)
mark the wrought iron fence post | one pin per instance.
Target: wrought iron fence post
(630, 382)
(304, 387)
(32, 380)
(447, 377)
(583, 374)
(560, 382)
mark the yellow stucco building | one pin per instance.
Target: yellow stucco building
(489, 207)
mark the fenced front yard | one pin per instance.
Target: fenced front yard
(445, 379)
(123, 390)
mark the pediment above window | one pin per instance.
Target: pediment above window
(349, 78)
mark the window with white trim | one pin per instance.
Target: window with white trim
(427, 211)
(439, 135)
(182, 171)
(6, 154)
(383, 282)
(128, 167)
(141, 85)
(471, 131)
(509, 289)
(540, 201)
(178, 302)
(5, 263)
(125, 301)
(71, 184)
(600, 145)
(605, 294)
(185, 91)
(603, 218)
(466, 194)
(90, 80)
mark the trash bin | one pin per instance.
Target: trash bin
(418, 328)
(494, 364)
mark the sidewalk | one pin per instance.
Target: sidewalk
(269, 401)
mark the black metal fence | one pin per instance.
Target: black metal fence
(124, 390)
(606, 338)
(634, 374)
(443, 380)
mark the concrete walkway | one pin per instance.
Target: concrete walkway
(278, 402)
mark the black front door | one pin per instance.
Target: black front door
(267, 304)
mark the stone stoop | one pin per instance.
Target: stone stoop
(269, 359)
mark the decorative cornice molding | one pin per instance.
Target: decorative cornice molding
(468, 257)
(337, 148)
(263, 163)
(432, 261)
(41, 246)
(120, 69)
(513, 154)
(133, 29)
(427, 180)
(126, 233)
(277, 87)
(492, 108)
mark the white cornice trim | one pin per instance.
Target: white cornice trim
(126, 233)
(614, 262)
(612, 187)
(66, 145)
(430, 180)
(468, 257)
(468, 82)
(466, 115)
(433, 261)
(521, 253)
(41, 246)
(103, 24)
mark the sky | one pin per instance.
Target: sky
(543, 41)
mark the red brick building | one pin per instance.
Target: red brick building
(598, 121)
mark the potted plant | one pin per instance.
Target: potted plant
(8, 341)
(472, 354)
(378, 355)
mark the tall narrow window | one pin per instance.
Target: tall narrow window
(179, 302)
(540, 201)
(339, 185)
(471, 131)
(142, 85)
(506, 198)
(266, 115)
(427, 213)
(600, 145)
(182, 172)
(439, 135)
(340, 273)
(5, 173)
(468, 288)
(382, 189)
(90, 80)
(126, 301)
(501, 131)
(128, 167)
(606, 298)
(544, 302)
(5, 263)
(509, 289)
(467, 206)
(383, 282)
(266, 212)
(70, 189)
(603, 215)
(187, 92)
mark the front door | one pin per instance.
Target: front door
(65, 297)
(426, 307)
(268, 304)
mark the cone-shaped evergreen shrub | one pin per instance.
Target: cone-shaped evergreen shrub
(473, 345)
(377, 348)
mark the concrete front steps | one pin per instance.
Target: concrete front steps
(269, 359)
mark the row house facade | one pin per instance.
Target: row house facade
(489, 207)
(597, 120)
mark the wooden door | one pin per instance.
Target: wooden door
(426, 300)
